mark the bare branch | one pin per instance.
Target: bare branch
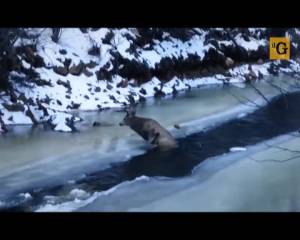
(259, 92)
(282, 91)
(247, 99)
(274, 160)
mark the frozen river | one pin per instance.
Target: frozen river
(95, 169)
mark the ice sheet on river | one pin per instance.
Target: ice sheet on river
(263, 178)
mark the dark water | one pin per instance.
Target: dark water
(281, 116)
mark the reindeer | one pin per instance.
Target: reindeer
(149, 129)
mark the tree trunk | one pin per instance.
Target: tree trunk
(55, 34)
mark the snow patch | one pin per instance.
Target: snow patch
(79, 193)
(25, 195)
(77, 203)
(237, 149)
(59, 121)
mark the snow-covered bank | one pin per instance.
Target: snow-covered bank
(262, 178)
(97, 69)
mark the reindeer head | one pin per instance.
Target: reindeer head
(130, 111)
(129, 115)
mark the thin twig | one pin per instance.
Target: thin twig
(282, 148)
(273, 160)
(259, 92)
(282, 91)
(244, 103)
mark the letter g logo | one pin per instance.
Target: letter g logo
(281, 48)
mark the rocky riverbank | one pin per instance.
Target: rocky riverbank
(96, 69)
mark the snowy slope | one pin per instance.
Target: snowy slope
(98, 68)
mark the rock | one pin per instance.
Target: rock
(204, 71)
(94, 51)
(103, 74)
(97, 89)
(113, 99)
(77, 69)
(273, 69)
(38, 62)
(75, 105)
(42, 82)
(31, 58)
(67, 62)
(84, 30)
(143, 91)
(96, 124)
(252, 74)
(229, 62)
(177, 126)
(87, 72)
(26, 100)
(63, 51)
(134, 83)
(159, 93)
(261, 53)
(29, 51)
(134, 69)
(260, 61)
(108, 37)
(123, 84)
(70, 122)
(15, 107)
(246, 38)
(30, 114)
(260, 75)
(91, 64)
(3, 127)
(61, 70)
(189, 86)
(65, 84)
(42, 107)
(174, 92)
(284, 63)
(142, 99)
(109, 87)
(215, 43)
(46, 100)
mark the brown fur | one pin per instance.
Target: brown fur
(150, 130)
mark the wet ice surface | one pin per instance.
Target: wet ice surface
(38, 159)
(248, 183)
(241, 181)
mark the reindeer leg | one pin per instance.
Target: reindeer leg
(155, 138)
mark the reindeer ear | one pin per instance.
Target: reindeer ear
(131, 112)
